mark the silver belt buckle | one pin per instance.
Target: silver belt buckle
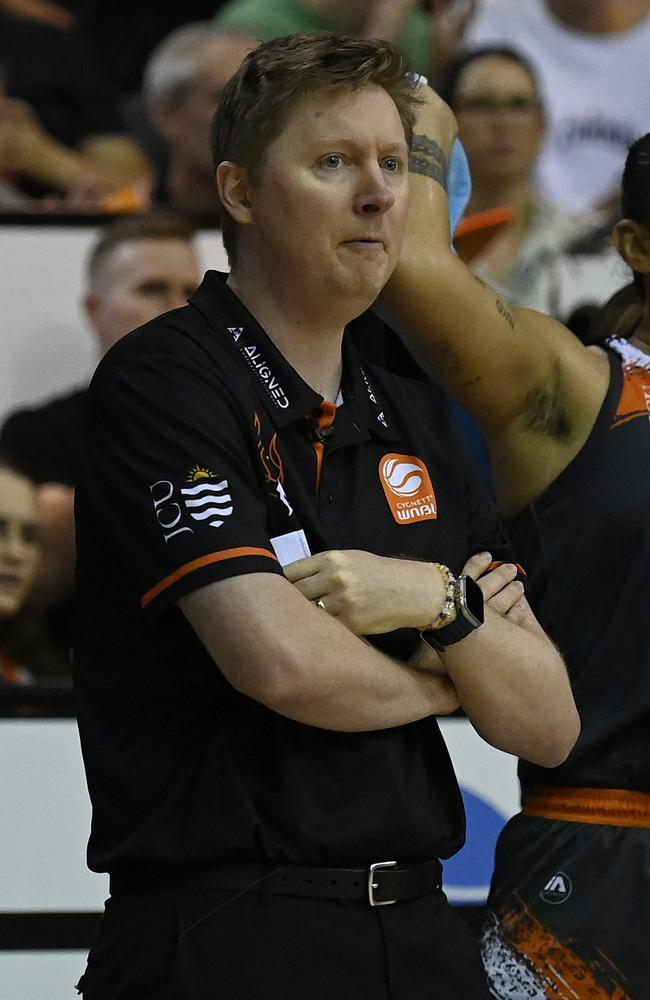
(372, 885)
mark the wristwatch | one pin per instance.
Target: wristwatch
(468, 606)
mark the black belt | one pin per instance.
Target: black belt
(381, 883)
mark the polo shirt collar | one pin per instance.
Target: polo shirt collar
(363, 394)
(285, 395)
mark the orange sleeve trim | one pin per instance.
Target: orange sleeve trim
(195, 564)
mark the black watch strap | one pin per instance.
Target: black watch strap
(469, 616)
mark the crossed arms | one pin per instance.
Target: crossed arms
(277, 647)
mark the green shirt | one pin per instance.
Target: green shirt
(288, 17)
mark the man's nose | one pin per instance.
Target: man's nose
(14, 546)
(375, 196)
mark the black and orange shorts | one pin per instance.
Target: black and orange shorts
(569, 907)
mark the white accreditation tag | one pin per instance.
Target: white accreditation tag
(291, 547)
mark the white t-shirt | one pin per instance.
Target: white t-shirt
(596, 89)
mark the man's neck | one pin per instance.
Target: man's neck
(309, 339)
(641, 338)
(599, 17)
(517, 195)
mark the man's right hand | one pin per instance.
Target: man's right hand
(501, 590)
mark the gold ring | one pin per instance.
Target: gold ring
(320, 604)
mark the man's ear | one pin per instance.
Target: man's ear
(233, 185)
(632, 240)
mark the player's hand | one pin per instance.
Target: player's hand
(370, 594)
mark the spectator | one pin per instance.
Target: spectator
(183, 81)
(501, 122)
(24, 656)
(140, 267)
(60, 130)
(398, 21)
(581, 51)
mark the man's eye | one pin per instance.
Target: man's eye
(332, 161)
(392, 164)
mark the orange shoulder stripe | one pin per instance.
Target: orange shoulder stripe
(189, 567)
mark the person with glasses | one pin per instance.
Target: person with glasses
(496, 98)
(591, 58)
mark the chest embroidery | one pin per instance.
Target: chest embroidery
(272, 466)
(408, 489)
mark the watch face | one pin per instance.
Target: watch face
(471, 600)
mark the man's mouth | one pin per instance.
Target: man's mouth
(366, 243)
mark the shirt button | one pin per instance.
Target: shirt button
(330, 498)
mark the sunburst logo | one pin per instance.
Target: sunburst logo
(199, 472)
(206, 498)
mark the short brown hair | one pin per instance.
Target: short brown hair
(159, 224)
(257, 101)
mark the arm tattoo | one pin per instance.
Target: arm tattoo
(502, 310)
(506, 314)
(427, 158)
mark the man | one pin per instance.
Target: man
(262, 777)
(183, 80)
(570, 439)
(501, 123)
(581, 51)
(139, 267)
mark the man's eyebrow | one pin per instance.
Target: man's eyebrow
(333, 140)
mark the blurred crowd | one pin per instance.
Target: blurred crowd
(105, 112)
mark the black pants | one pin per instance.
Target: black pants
(214, 944)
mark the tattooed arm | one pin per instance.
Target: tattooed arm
(530, 383)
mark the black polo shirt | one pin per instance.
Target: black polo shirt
(209, 457)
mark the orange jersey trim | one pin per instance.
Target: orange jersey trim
(198, 564)
(325, 420)
(605, 806)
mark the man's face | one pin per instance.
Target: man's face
(186, 124)
(500, 121)
(329, 211)
(138, 281)
(19, 549)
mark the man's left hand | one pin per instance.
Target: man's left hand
(370, 594)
